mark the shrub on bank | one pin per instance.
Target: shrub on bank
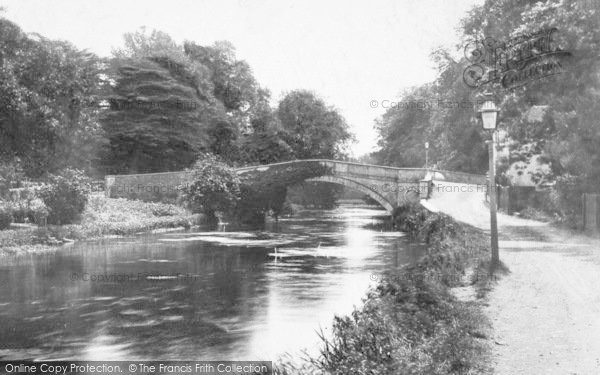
(20, 210)
(65, 196)
(11, 176)
(29, 209)
(5, 216)
(38, 212)
(214, 187)
(410, 219)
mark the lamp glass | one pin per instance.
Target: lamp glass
(489, 119)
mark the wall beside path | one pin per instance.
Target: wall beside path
(147, 187)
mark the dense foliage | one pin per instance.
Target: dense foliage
(45, 90)
(455, 137)
(172, 103)
(28, 208)
(156, 121)
(5, 216)
(11, 176)
(65, 195)
(154, 106)
(213, 187)
(552, 120)
(313, 129)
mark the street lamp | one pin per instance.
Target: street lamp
(489, 117)
(489, 114)
(426, 155)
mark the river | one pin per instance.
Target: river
(221, 295)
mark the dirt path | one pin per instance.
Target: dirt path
(546, 312)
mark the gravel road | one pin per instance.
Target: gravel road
(546, 311)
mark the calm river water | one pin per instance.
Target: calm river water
(195, 295)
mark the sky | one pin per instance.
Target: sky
(357, 55)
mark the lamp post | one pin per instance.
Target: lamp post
(489, 116)
(426, 155)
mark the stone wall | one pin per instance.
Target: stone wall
(147, 187)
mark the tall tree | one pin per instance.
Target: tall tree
(47, 91)
(313, 129)
(162, 107)
(567, 136)
(265, 143)
(243, 101)
(158, 119)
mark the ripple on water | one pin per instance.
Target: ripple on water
(141, 324)
(172, 318)
(227, 241)
(104, 346)
(94, 313)
(102, 298)
(134, 312)
(223, 234)
(157, 261)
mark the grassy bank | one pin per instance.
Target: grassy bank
(419, 320)
(102, 217)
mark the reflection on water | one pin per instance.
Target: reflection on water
(192, 295)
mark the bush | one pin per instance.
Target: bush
(11, 176)
(410, 218)
(214, 187)
(27, 207)
(20, 210)
(38, 211)
(5, 216)
(65, 196)
(162, 209)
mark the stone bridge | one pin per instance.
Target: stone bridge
(389, 186)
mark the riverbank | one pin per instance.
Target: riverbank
(103, 217)
(426, 318)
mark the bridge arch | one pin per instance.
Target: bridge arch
(356, 186)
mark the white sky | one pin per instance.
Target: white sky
(349, 52)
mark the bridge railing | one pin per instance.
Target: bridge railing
(352, 169)
(372, 170)
(243, 169)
